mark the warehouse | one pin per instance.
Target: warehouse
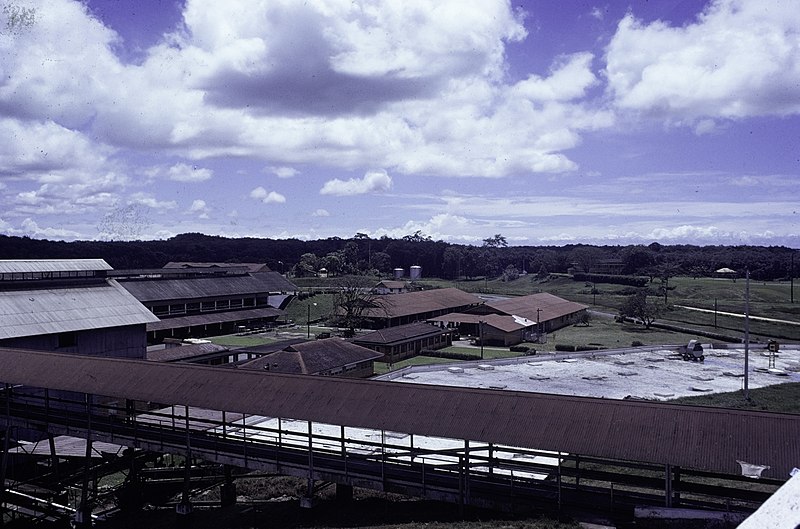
(70, 306)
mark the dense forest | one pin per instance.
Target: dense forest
(362, 254)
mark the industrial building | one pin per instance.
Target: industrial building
(208, 299)
(70, 306)
(326, 357)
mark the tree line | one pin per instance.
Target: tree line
(362, 254)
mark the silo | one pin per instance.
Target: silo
(416, 272)
(398, 273)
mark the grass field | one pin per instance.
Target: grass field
(781, 398)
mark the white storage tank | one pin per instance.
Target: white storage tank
(416, 272)
(398, 273)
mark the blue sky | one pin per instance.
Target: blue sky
(548, 122)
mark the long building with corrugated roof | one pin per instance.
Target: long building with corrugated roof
(70, 306)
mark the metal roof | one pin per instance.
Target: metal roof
(250, 267)
(211, 318)
(34, 311)
(425, 301)
(185, 352)
(550, 306)
(52, 265)
(312, 357)
(695, 437)
(194, 288)
(401, 333)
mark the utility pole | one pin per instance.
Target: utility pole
(746, 334)
(791, 278)
(480, 336)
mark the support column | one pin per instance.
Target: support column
(184, 508)
(83, 515)
(227, 491)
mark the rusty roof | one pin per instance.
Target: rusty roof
(550, 306)
(690, 436)
(410, 303)
(401, 333)
(313, 357)
(93, 305)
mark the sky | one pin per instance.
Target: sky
(550, 123)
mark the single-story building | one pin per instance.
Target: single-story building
(391, 287)
(410, 307)
(513, 320)
(326, 357)
(405, 341)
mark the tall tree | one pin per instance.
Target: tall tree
(639, 307)
(495, 241)
(354, 296)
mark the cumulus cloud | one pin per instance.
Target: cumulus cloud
(373, 182)
(267, 197)
(738, 59)
(283, 172)
(181, 172)
(199, 208)
(321, 213)
(32, 229)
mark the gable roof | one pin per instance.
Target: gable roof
(185, 352)
(52, 265)
(400, 333)
(424, 301)
(250, 267)
(498, 321)
(100, 304)
(312, 357)
(550, 306)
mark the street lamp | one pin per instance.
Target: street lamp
(480, 336)
(308, 320)
(538, 328)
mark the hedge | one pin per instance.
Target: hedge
(631, 281)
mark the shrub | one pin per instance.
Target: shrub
(519, 348)
(446, 354)
(565, 347)
(636, 343)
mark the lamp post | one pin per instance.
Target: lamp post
(480, 336)
(308, 320)
(538, 327)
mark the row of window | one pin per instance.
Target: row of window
(204, 306)
(30, 276)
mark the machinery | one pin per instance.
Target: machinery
(692, 351)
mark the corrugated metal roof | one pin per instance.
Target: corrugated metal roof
(250, 267)
(185, 352)
(551, 306)
(35, 311)
(693, 437)
(312, 357)
(409, 303)
(213, 317)
(166, 290)
(400, 333)
(52, 265)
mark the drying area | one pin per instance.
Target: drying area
(656, 373)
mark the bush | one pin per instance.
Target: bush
(565, 347)
(587, 348)
(633, 281)
(636, 343)
(519, 348)
(445, 354)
